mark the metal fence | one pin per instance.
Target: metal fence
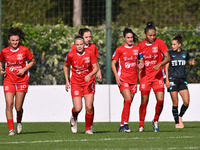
(185, 15)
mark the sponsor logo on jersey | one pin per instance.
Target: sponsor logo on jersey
(81, 71)
(66, 58)
(14, 68)
(130, 58)
(114, 54)
(129, 65)
(19, 56)
(87, 59)
(178, 62)
(147, 63)
(155, 49)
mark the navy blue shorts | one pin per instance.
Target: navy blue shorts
(177, 85)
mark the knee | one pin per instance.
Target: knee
(89, 109)
(186, 103)
(18, 109)
(9, 106)
(77, 109)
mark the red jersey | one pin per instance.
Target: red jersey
(152, 55)
(90, 47)
(81, 65)
(15, 60)
(127, 57)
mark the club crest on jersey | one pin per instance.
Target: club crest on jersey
(19, 56)
(135, 52)
(155, 49)
(183, 55)
(87, 59)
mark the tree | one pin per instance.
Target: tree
(77, 13)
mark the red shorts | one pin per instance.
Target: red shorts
(80, 91)
(158, 86)
(132, 87)
(13, 88)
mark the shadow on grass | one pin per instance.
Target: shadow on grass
(97, 132)
(38, 132)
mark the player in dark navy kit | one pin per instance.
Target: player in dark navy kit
(176, 79)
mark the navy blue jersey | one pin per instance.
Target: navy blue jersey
(177, 64)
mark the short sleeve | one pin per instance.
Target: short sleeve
(68, 59)
(96, 51)
(2, 56)
(116, 54)
(29, 55)
(93, 58)
(163, 47)
(188, 58)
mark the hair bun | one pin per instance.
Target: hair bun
(149, 24)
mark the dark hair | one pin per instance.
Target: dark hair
(78, 37)
(178, 38)
(16, 31)
(127, 30)
(149, 27)
(83, 30)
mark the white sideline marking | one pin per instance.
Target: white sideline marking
(104, 139)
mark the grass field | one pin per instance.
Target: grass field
(58, 136)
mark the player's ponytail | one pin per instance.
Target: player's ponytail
(127, 30)
(149, 27)
(16, 31)
(178, 38)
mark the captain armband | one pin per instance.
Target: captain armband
(140, 56)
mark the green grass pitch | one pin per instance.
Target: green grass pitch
(58, 136)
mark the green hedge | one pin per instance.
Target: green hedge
(51, 43)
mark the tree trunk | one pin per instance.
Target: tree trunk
(77, 13)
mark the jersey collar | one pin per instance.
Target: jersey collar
(14, 50)
(81, 54)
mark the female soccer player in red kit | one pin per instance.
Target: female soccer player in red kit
(87, 35)
(126, 77)
(83, 67)
(151, 76)
(16, 76)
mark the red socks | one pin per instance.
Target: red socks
(88, 120)
(159, 107)
(142, 114)
(10, 124)
(74, 114)
(126, 112)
